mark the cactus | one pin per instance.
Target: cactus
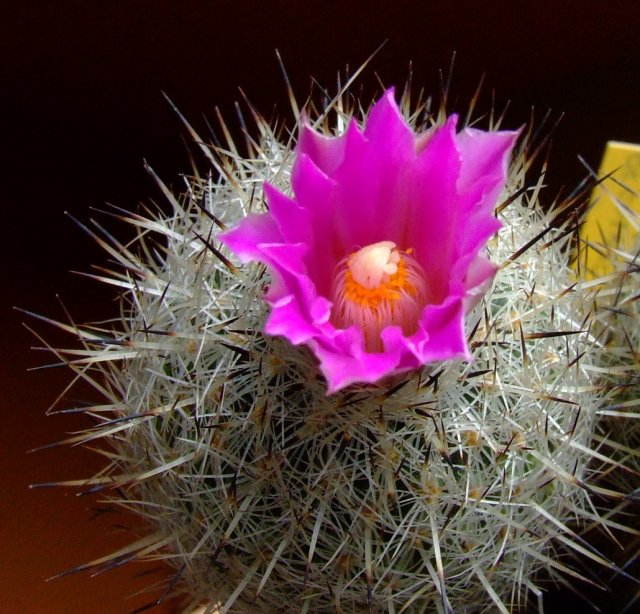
(459, 486)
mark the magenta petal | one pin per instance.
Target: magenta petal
(479, 276)
(480, 228)
(343, 364)
(485, 158)
(287, 263)
(313, 188)
(288, 258)
(245, 238)
(445, 327)
(327, 152)
(292, 219)
(434, 197)
(287, 319)
(357, 185)
(387, 131)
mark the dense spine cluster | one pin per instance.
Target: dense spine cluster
(619, 421)
(459, 487)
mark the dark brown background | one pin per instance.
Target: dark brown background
(81, 107)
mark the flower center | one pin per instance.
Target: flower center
(376, 287)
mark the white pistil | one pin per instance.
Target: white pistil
(374, 264)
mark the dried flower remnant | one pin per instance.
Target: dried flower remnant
(378, 254)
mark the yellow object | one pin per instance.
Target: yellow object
(609, 220)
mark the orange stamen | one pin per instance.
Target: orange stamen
(376, 287)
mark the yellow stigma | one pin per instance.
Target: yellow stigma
(376, 287)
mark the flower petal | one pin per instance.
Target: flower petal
(485, 158)
(373, 181)
(434, 198)
(445, 326)
(287, 319)
(327, 152)
(344, 362)
(477, 281)
(316, 192)
(292, 219)
(245, 238)
(287, 261)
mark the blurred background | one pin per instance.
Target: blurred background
(81, 107)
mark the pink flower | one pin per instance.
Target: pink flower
(378, 255)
